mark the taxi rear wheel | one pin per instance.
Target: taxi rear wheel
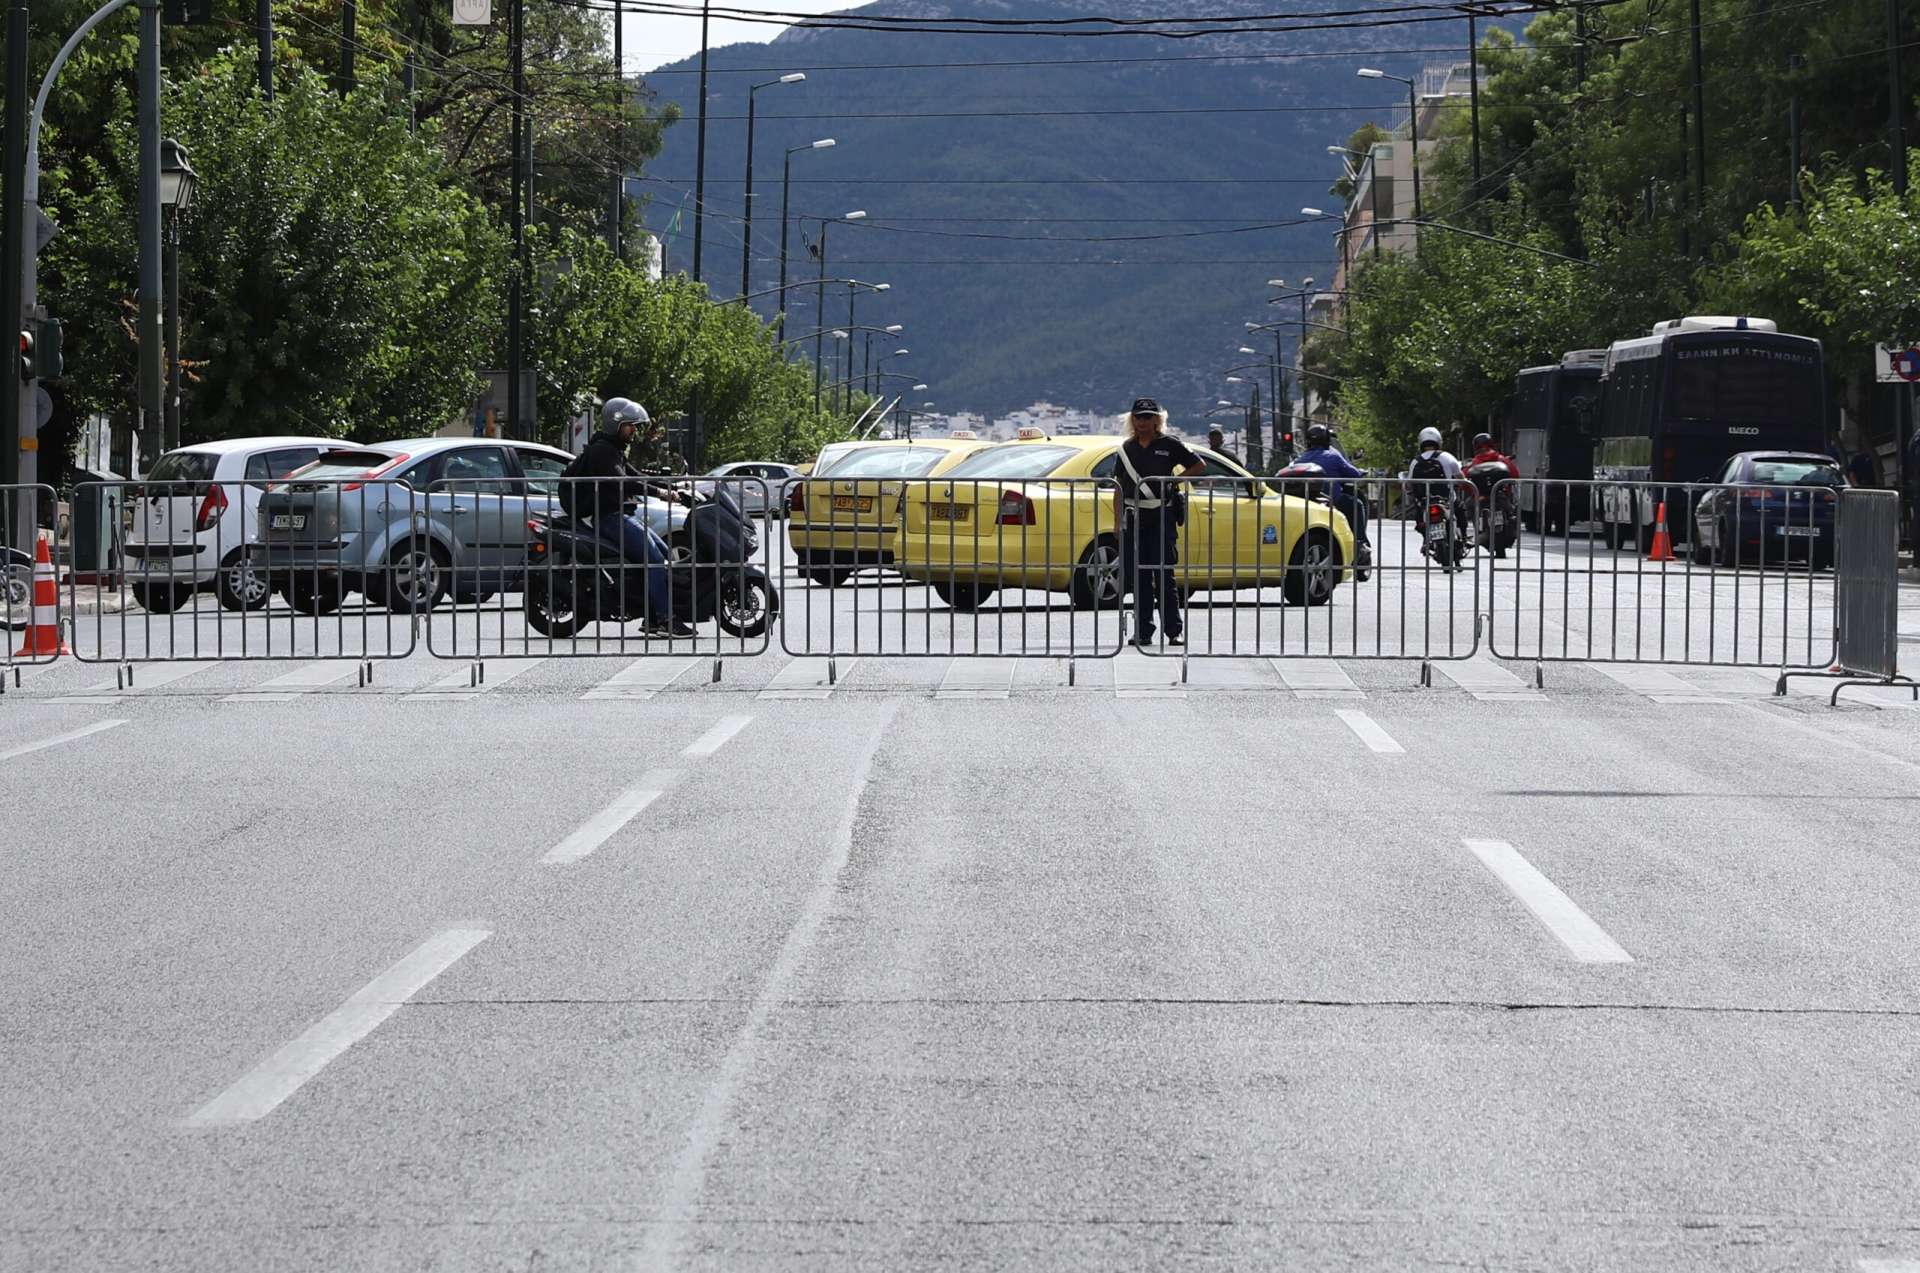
(962, 596)
(1096, 579)
(829, 576)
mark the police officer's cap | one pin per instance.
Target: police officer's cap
(1146, 406)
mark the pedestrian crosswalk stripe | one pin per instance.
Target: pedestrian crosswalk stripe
(806, 678)
(1136, 675)
(302, 680)
(1316, 678)
(463, 685)
(977, 678)
(643, 678)
(1481, 677)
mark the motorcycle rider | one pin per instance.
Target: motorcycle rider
(604, 459)
(1485, 452)
(1431, 465)
(1321, 450)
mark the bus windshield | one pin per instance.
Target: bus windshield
(1772, 387)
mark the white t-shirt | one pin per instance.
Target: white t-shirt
(1447, 462)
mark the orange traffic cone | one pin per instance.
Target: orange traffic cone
(1662, 542)
(43, 637)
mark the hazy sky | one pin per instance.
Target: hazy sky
(654, 41)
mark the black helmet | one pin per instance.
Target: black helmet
(620, 412)
(1483, 441)
(1319, 435)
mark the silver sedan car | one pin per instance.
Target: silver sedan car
(758, 486)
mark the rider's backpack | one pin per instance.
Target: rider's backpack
(1428, 468)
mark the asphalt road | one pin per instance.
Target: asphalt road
(954, 963)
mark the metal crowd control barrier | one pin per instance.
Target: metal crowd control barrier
(307, 568)
(21, 514)
(1867, 596)
(1744, 587)
(531, 581)
(980, 567)
(1277, 563)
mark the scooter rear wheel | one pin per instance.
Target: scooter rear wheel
(550, 609)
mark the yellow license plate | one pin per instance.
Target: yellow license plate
(947, 512)
(853, 503)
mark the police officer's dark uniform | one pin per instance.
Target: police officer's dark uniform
(1151, 535)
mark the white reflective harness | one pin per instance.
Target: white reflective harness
(1140, 500)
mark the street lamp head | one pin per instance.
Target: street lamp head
(893, 329)
(1235, 380)
(854, 216)
(825, 143)
(882, 287)
(1246, 349)
(1312, 212)
(896, 353)
(1223, 403)
(1369, 73)
(1253, 327)
(797, 77)
(1307, 281)
(927, 403)
(176, 175)
(920, 388)
(1276, 282)
(839, 335)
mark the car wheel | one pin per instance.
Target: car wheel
(1096, 578)
(1313, 571)
(239, 585)
(550, 607)
(162, 598)
(829, 576)
(310, 595)
(416, 577)
(964, 597)
(16, 595)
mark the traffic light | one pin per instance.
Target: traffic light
(26, 355)
(47, 360)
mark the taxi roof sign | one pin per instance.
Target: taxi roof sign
(1028, 433)
(964, 435)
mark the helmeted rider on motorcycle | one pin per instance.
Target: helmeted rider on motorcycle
(605, 458)
(1431, 455)
(1485, 452)
(1321, 450)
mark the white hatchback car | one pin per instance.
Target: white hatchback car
(194, 516)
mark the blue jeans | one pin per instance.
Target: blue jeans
(639, 543)
(1355, 509)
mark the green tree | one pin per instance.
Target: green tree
(335, 276)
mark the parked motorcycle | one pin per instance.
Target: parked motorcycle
(1310, 481)
(576, 578)
(1499, 527)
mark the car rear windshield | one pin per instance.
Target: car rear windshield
(889, 461)
(342, 464)
(184, 466)
(1795, 473)
(1017, 461)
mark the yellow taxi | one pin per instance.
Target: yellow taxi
(843, 517)
(1037, 513)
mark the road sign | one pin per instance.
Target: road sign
(1893, 365)
(472, 13)
(43, 230)
(42, 406)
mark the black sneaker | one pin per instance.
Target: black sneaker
(1176, 640)
(672, 631)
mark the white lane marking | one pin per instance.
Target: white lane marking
(716, 738)
(1557, 912)
(265, 1086)
(302, 680)
(150, 677)
(1655, 683)
(709, 1124)
(1137, 675)
(596, 830)
(70, 736)
(977, 678)
(805, 678)
(459, 685)
(1481, 677)
(1316, 678)
(1228, 674)
(1370, 732)
(1889, 1266)
(643, 678)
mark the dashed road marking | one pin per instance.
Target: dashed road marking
(643, 678)
(1557, 912)
(265, 1086)
(1370, 732)
(71, 735)
(716, 738)
(595, 831)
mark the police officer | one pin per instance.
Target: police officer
(1148, 516)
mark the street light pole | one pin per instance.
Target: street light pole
(820, 300)
(1413, 124)
(700, 147)
(152, 410)
(1473, 93)
(746, 221)
(786, 190)
(516, 32)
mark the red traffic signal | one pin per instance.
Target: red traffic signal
(26, 355)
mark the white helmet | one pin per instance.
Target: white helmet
(1429, 435)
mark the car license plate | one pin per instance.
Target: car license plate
(1799, 532)
(289, 521)
(853, 503)
(947, 512)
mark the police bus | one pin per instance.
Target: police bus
(1677, 404)
(1555, 410)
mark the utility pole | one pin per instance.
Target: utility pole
(1686, 242)
(516, 31)
(152, 414)
(1473, 94)
(347, 17)
(13, 230)
(616, 219)
(700, 147)
(1896, 101)
(1795, 64)
(1700, 116)
(263, 20)
(1579, 46)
